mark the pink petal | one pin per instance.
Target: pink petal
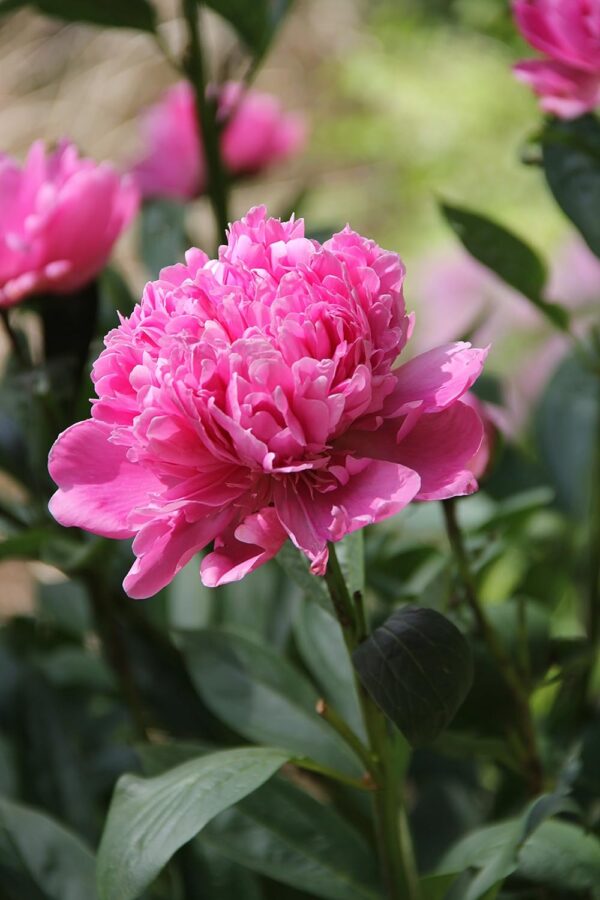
(436, 378)
(242, 549)
(565, 91)
(374, 492)
(440, 448)
(97, 485)
(165, 546)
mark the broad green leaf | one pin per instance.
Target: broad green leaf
(255, 22)
(137, 14)
(417, 667)
(556, 853)
(150, 819)
(563, 856)
(263, 697)
(571, 154)
(285, 834)
(507, 256)
(296, 566)
(44, 855)
(163, 236)
(323, 650)
(566, 427)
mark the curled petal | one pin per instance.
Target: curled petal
(243, 548)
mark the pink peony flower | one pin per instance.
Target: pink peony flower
(254, 398)
(567, 32)
(59, 218)
(255, 135)
(492, 420)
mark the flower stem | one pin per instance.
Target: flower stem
(206, 109)
(13, 338)
(532, 766)
(393, 837)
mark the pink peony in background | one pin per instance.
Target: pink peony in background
(567, 32)
(256, 397)
(59, 219)
(256, 134)
(459, 297)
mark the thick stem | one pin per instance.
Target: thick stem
(206, 109)
(13, 338)
(397, 860)
(533, 772)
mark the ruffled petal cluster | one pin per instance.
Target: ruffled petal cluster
(59, 219)
(256, 134)
(567, 32)
(258, 397)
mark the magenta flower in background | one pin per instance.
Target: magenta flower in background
(60, 216)
(256, 134)
(457, 296)
(567, 32)
(256, 397)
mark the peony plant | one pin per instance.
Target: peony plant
(383, 685)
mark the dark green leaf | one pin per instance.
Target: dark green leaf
(255, 22)
(283, 833)
(566, 428)
(263, 697)
(137, 14)
(150, 819)
(417, 667)
(215, 877)
(507, 256)
(47, 856)
(163, 236)
(571, 153)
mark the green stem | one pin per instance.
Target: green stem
(13, 338)
(349, 736)
(396, 856)
(311, 766)
(529, 751)
(206, 109)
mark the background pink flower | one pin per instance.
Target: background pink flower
(59, 219)
(257, 134)
(458, 297)
(567, 32)
(254, 398)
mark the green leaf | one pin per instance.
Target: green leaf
(507, 256)
(321, 645)
(163, 236)
(351, 554)
(263, 697)
(139, 14)
(255, 22)
(44, 855)
(562, 855)
(548, 852)
(295, 564)
(221, 878)
(417, 667)
(571, 155)
(566, 426)
(285, 834)
(150, 819)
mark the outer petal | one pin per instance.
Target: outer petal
(440, 448)
(165, 546)
(374, 492)
(98, 486)
(565, 91)
(242, 549)
(435, 379)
